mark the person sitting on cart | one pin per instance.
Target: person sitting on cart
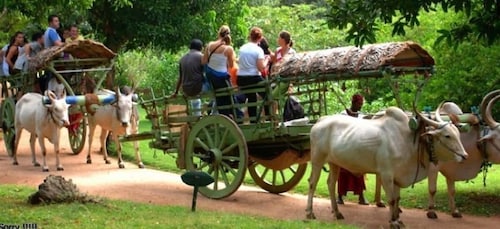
(348, 181)
(252, 62)
(74, 34)
(191, 75)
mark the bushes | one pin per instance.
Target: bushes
(148, 68)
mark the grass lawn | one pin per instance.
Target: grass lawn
(123, 214)
(471, 196)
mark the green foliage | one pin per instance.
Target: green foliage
(309, 31)
(166, 24)
(363, 18)
(148, 68)
(126, 214)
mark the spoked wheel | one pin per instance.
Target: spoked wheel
(277, 180)
(217, 146)
(8, 117)
(77, 132)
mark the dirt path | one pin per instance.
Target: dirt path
(151, 186)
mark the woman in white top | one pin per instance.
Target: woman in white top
(252, 62)
(219, 57)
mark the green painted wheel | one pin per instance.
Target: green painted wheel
(8, 117)
(277, 181)
(217, 146)
(77, 132)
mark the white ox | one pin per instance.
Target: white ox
(385, 146)
(42, 121)
(120, 118)
(489, 149)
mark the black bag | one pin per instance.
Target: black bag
(293, 110)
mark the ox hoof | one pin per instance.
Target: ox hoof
(380, 205)
(15, 163)
(141, 166)
(456, 215)
(36, 164)
(60, 169)
(432, 215)
(89, 161)
(45, 169)
(107, 161)
(400, 211)
(310, 216)
(121, 166)
(339, 215)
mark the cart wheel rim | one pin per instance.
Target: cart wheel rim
(217, 146)
(77, 133)
(277, 181)
(8, 117)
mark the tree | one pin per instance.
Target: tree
(363, 17)
(167, 24)
(31, 15)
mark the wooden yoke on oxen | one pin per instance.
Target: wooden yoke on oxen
(88, 100)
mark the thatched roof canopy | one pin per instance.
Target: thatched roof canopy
(84, 49)
(354, 60)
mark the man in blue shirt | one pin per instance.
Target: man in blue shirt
(51, 37)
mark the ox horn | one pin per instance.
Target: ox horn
(487, 115)
(426, 120)
(117, 93)
(486, 100)
(438, 112)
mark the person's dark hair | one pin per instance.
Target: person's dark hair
(196, 44)
(51, 17)
(13, 38)
(255, 34)
(36, 36)
(285, 35)
(264, 45)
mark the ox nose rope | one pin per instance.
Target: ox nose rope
(450, 149)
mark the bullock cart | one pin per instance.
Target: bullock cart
(273, 150)
(78, 66)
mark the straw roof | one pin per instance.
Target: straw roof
(353, 60)
(80, 49)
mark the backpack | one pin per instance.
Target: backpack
(293, 109)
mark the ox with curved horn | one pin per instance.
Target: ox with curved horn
(484, 103)
(488, 119)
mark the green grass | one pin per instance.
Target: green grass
(471, 197)
(124, 214)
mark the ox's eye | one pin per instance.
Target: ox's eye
(447, 136)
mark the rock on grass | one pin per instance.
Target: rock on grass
(56, 189)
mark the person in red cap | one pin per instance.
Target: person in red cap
(348, 181)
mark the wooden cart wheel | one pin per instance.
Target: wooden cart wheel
(217, 146)
(8, 117)
(277, 181)
(77, 132)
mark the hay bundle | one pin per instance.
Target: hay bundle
(83, 49)
(352, 59)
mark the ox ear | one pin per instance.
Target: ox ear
(63, 94)
(454, 119)
(486, 137)
(51, 95)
